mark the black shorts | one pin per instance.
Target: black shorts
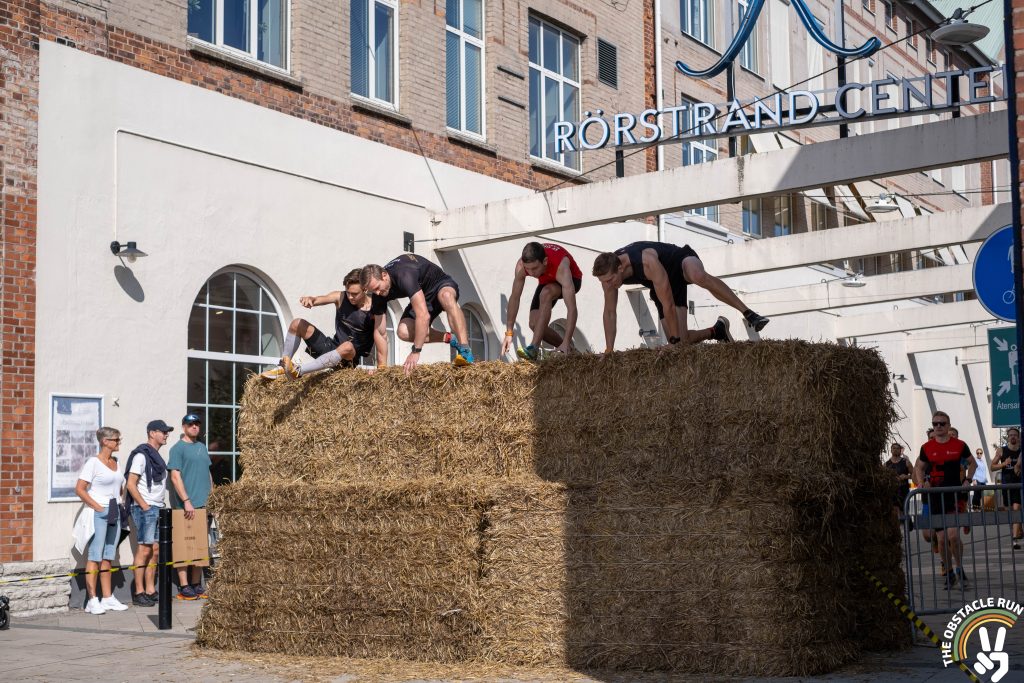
(433, 305)
(943, 504)
(1011, 496)
(678, 282)
(319, 343)
(535, 304)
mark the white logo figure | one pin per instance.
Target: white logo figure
(1012, 360)
(1009, 296)
(990, 658)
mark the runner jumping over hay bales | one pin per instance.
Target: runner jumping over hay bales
(353, 336)
(559, 277)
(666, 270)
(943, 455)
(429, 290)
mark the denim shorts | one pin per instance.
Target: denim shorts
(103, 545)
(145, 523)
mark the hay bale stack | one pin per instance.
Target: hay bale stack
(701, 510)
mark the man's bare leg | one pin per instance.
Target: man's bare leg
(456, 318)
(540, 318)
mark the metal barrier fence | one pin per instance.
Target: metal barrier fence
(978, 524)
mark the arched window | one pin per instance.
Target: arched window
(477, 334)
(578, 339)
(235, 329)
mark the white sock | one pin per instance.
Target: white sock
(291, 344)
(328, 360)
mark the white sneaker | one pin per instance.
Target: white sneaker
(94, 607)
(113, 604)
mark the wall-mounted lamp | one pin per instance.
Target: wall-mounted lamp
(127, 250)
(898, 378)
(884, 204)
(959, 32)
(854, 281)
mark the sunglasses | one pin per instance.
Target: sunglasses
(114, 440)
(939, 424)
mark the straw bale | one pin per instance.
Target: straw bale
(784, 415)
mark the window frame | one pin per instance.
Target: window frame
(889, 15)
(748, 53)
(474, 317)
(253, 28)
(704, 146)
(707, 12)
(371, 58)
(233, 358)
(546, 73)
(464, 39)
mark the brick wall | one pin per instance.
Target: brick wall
(19, 52)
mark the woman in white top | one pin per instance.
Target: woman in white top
(98, 484)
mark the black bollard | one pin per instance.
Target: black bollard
(164, 571)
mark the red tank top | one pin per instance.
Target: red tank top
(555, 255)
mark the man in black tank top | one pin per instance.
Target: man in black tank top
(666, 270)
(1008, 462)
(353, 333)
(430, 290)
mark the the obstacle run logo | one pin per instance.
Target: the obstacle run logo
(990, 618)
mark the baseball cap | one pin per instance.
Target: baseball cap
(191, 419)
(158, 426)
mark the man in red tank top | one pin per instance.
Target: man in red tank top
(943, 455)
(558, 278)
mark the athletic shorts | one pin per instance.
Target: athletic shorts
(319, 343)
(677, 280)
(433, 305)
(1012, 496)
(943, 504)
(535, 304)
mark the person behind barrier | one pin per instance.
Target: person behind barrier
(900, 467)
(980, 479)
(943, 454)
(146, 466)
(353, 333)
(558, 277)
(666, 270)
(429, 290)
(1007, 461)
(191, 483)
(99, 487)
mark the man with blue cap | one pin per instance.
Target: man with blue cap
(191, 485)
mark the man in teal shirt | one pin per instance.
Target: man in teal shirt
(191, 483)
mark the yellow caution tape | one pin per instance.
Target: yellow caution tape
(82, 572)
(913, 618)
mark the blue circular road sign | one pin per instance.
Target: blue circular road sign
(993, 274)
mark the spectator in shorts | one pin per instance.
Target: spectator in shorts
(943, 454)
(191, 483)
(146, 467)
(99, 487)
(1007, 461)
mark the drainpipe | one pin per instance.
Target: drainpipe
(659, 101)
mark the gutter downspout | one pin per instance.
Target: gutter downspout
(658, 100)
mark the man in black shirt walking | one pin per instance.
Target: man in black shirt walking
(666, 270)
(353, 333)
(430, 290)
(899, 466)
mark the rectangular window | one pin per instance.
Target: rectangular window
(257, 29)
(890, 17)
(374, 49)
(783, 224)
(752, 217)
(697, 19)
(815, 61)
(912, 34)
(929, 49)
(869, 5)
(697, 151)
(782, 76)
(554, 88)
(464, 61)
(958, 175)
(748, 55)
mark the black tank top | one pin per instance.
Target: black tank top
(357, 323)
(1009, 476)
(670, 256)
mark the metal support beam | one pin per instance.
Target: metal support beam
(921, 232)
(877, 289)
(882, 154)
(915, 318)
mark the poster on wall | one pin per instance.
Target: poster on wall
(74, 420)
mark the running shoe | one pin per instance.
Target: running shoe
(112, 604)
(291, 371)
(276, 372)
(463, 356)
(756, 321)
(155, 597)
(950, 580)
(447, 338)
(94, 606)
(531, 352)
(142, 600)
(1016, 545)
(186, 593)
(959, 574)
(199, 591)
(720, 330)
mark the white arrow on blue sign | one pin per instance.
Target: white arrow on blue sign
(993, 274)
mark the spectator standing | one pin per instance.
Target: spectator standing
(99, 487)
(980, 479)
(191, 482)
(146, 466)
(900, 466)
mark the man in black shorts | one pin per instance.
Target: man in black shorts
(353, 333)
(430, 290)
(666, 270)
(1007, 461)
(558, 277)
(944, 454)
